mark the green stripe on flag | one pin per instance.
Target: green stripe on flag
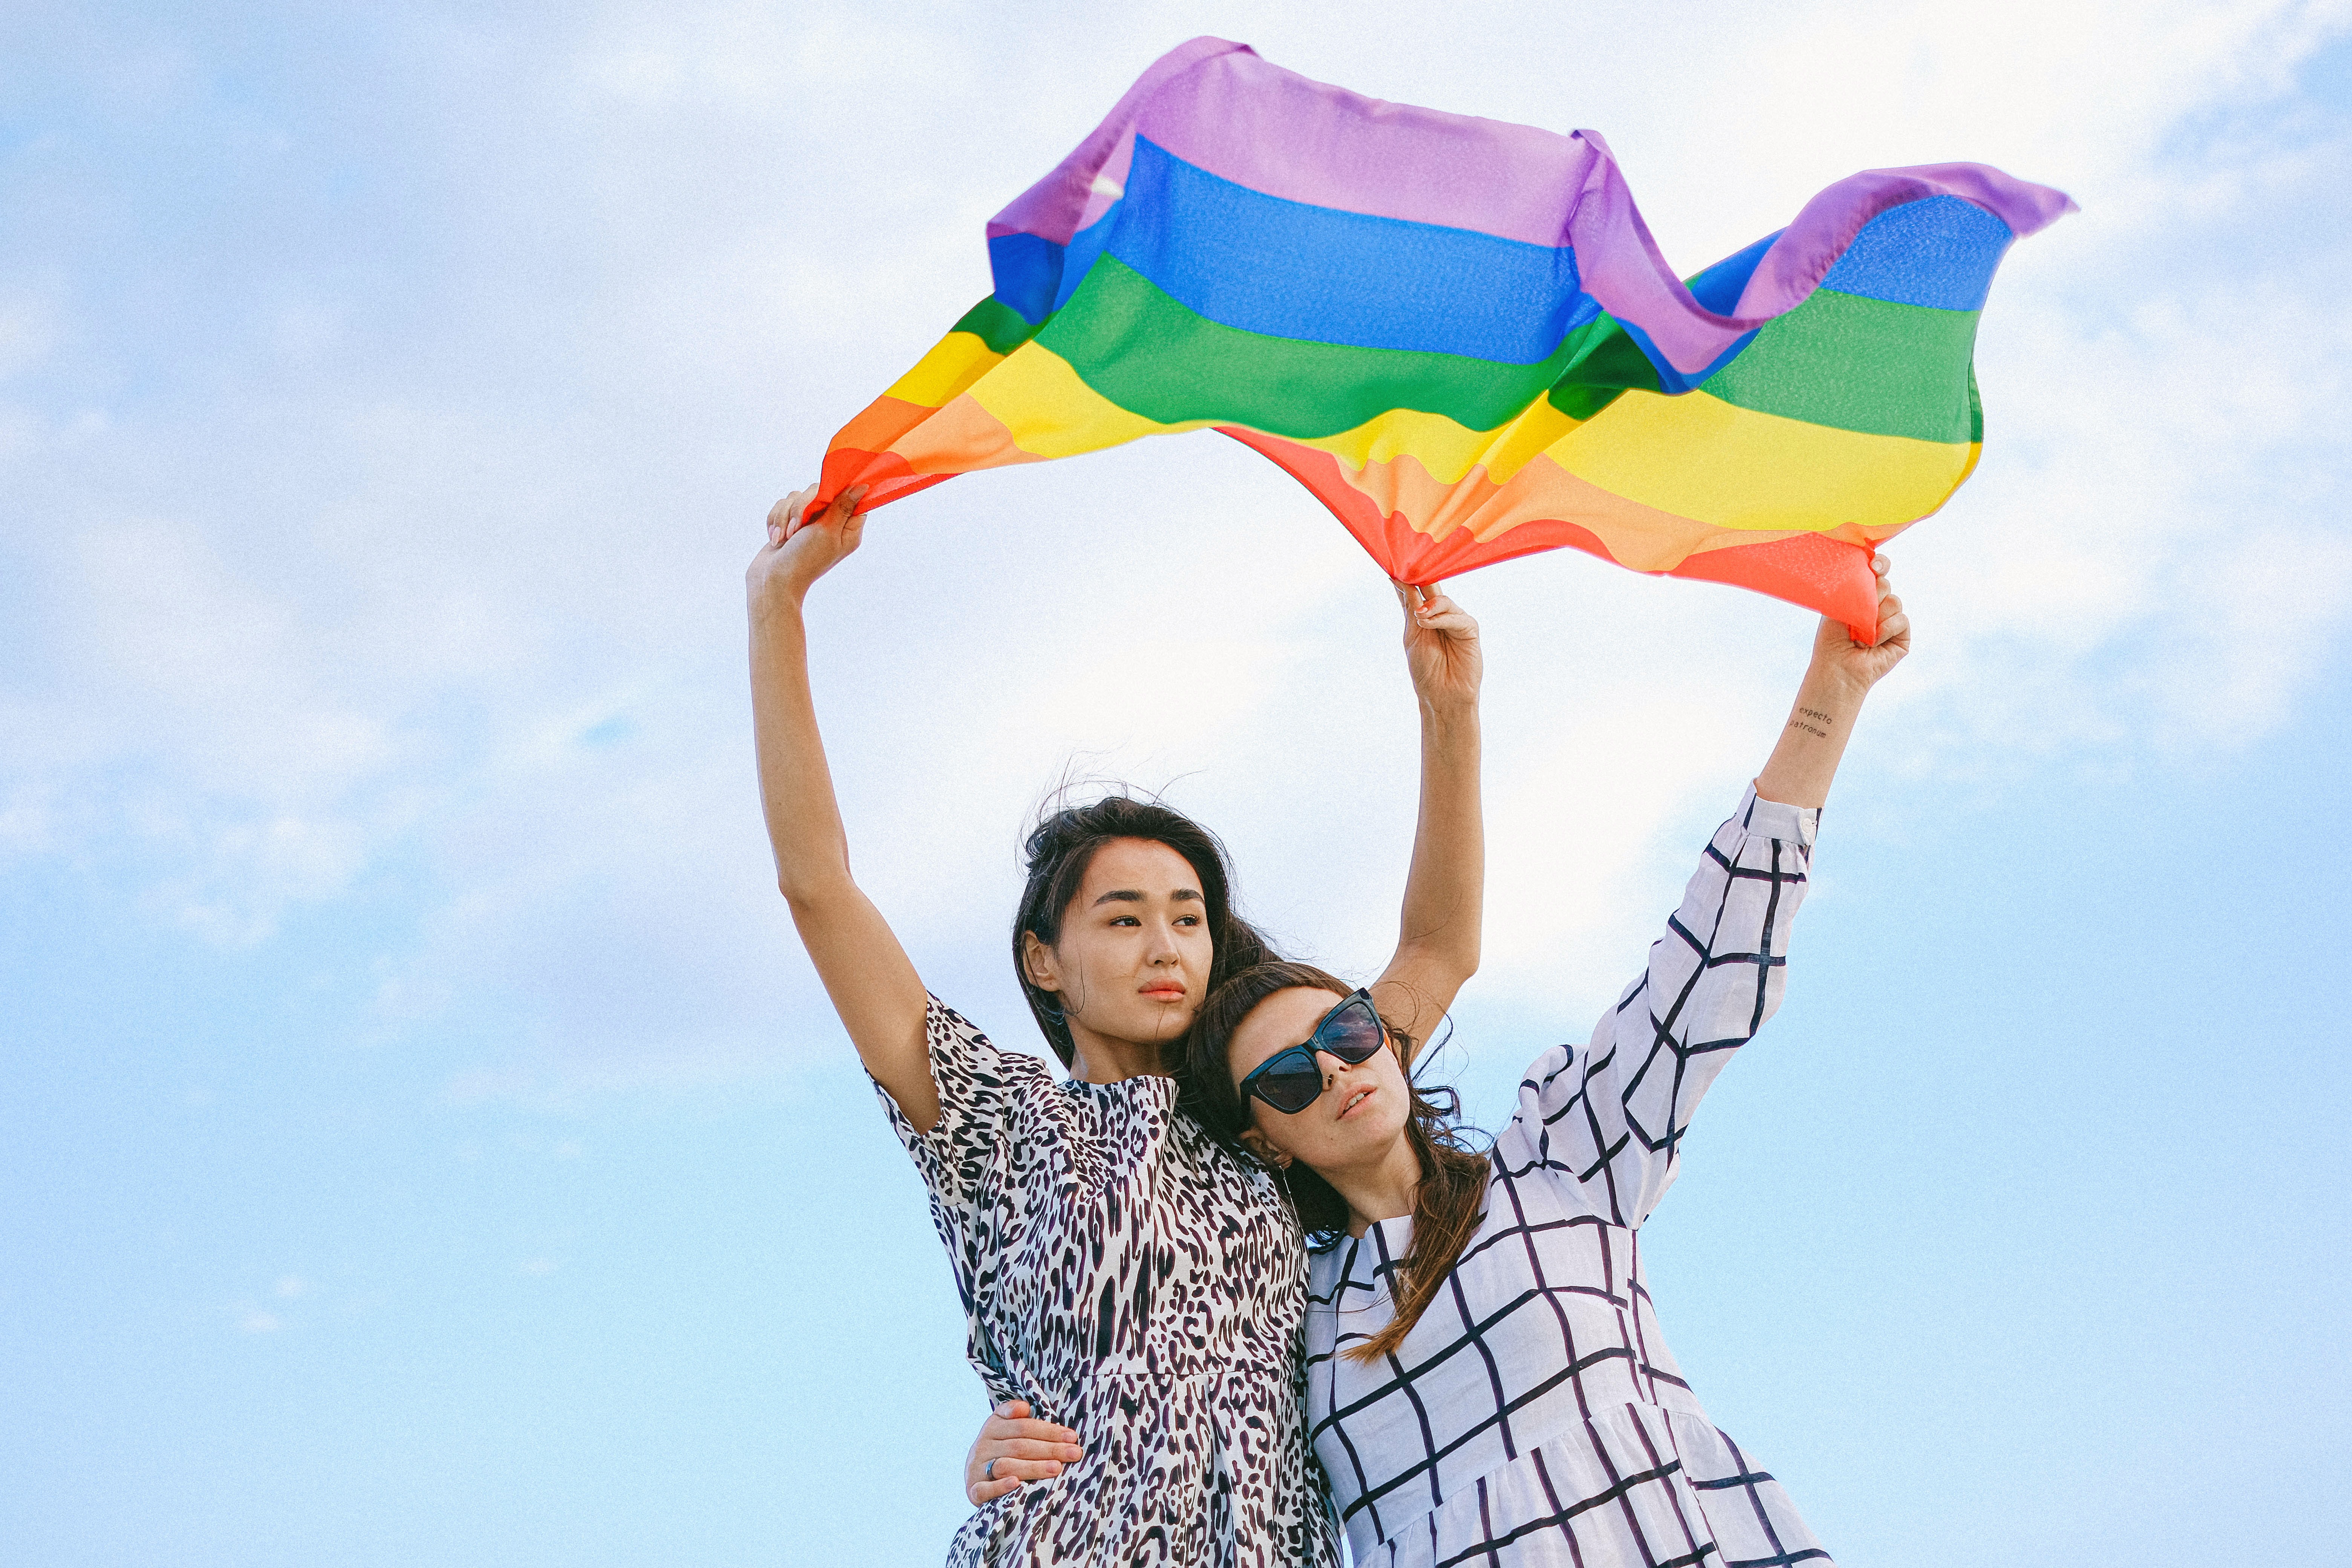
(1152, 356)
(998, 325)
(1871, 365)
(1604, 362)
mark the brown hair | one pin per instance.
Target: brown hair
(1447, 1202)
(1058, 851)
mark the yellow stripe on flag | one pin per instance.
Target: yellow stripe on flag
(1701, 458)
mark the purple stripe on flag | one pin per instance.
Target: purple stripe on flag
(1219, 107)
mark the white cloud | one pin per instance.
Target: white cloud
(186, 725)
(2160, 479)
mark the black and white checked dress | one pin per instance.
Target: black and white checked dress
(1534, 1415)
(1130, 1279)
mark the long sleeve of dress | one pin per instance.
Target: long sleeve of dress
(1609, 1116)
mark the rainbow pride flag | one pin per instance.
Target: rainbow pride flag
(1460, 336)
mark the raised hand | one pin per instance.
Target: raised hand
(1441, 647)
(1858, 665)
(801, 549)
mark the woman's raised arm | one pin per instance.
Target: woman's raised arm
(1446, 892)
(1805, 759)
(873, 985)
(1612, 1116)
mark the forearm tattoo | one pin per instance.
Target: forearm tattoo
(1812, 721)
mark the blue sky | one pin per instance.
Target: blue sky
(421, 1138)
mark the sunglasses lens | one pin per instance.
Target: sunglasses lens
(1288, 1089)
(1352, 1033)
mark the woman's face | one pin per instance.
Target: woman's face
(1132, 960)
(1362, 1111)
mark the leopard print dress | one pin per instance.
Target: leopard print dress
(1132, 1279)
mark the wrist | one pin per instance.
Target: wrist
(1449, 715)
(1826, 686)
(775, 608)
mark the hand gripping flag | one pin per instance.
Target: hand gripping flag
(1460, 336)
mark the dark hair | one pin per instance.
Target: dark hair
(1447, 1202)
(1061, 847)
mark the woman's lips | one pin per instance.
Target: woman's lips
(1165, 993)
(1355, 1102)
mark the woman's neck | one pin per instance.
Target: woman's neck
(1380, 1189)
(1098, 1059)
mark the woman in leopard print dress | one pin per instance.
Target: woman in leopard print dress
(1123, 1274)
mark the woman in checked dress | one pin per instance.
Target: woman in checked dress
(1487, 1379)
(1133, 1285)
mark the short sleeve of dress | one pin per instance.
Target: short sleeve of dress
(980, 1090)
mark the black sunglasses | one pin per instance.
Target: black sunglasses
(1291, 1081)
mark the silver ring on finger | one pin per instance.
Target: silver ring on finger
(988, 1471)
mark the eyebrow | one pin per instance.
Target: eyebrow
(1131, 896)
